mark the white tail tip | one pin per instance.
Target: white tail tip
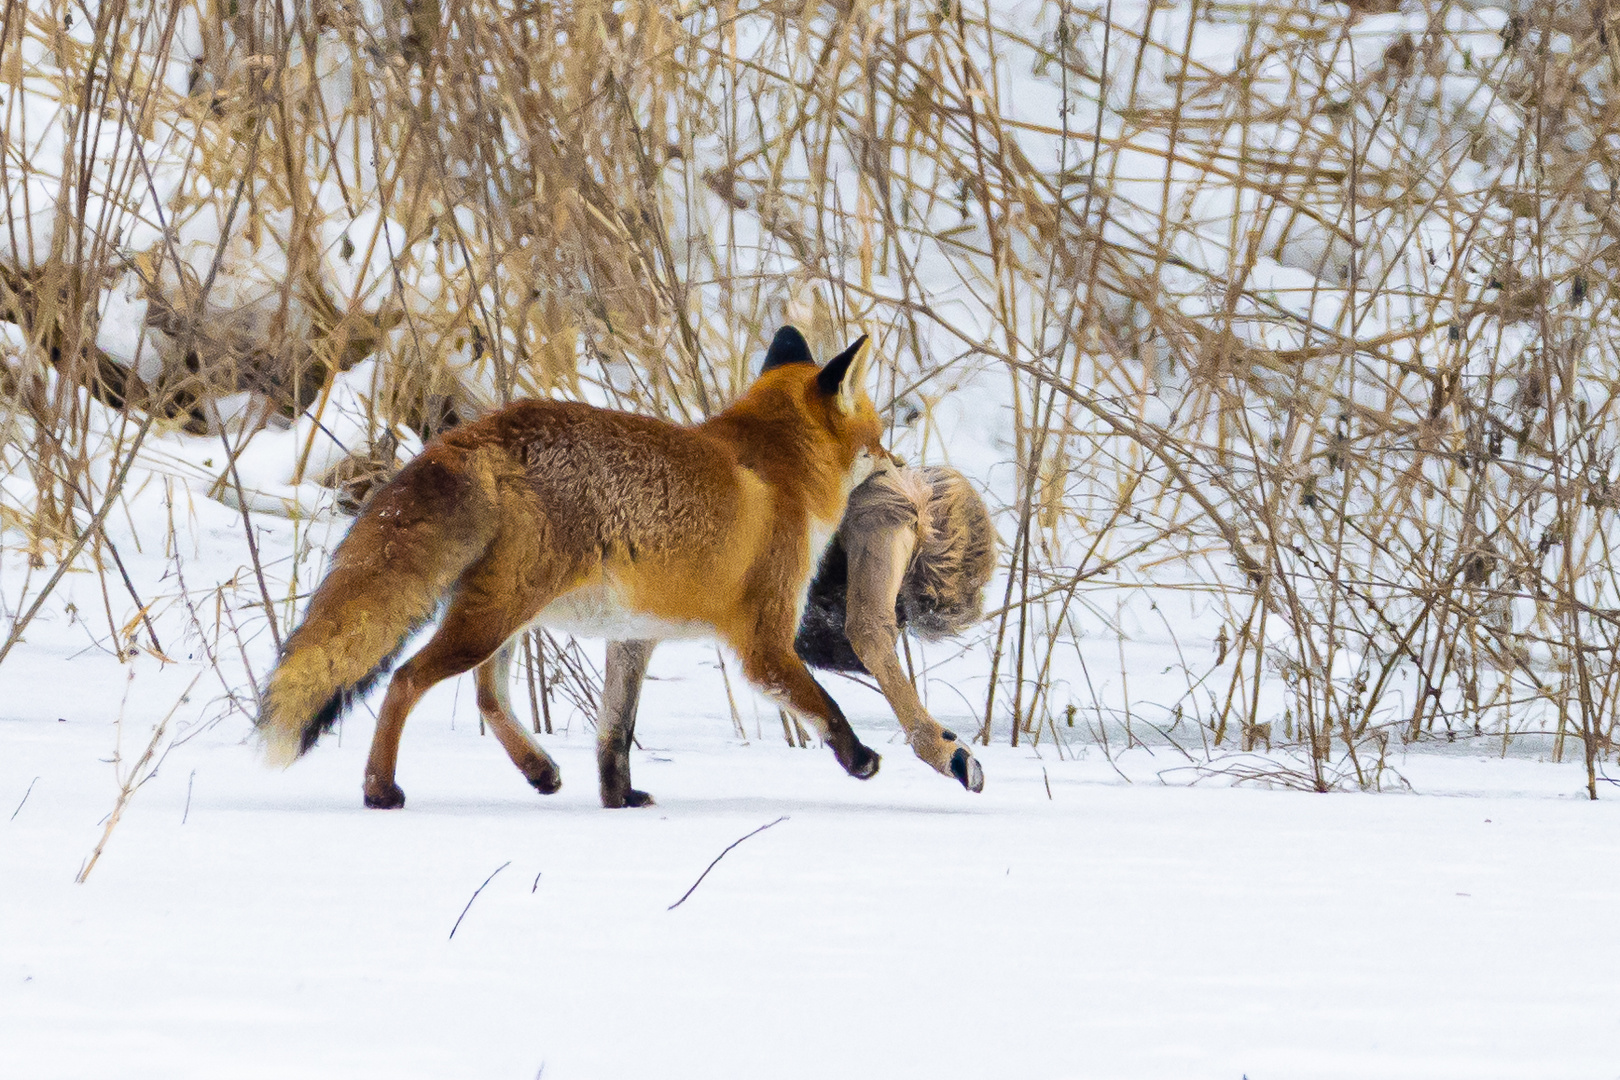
(280, 747)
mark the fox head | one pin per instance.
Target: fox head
(837, 395)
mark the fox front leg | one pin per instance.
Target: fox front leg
(616, 721)
(877, 565)
(776, 670)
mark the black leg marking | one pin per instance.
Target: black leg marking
(616, 721)
(857, 760)
(863, 763)
(391, 799)
(948, 735)
(629, 797)
(616, 789)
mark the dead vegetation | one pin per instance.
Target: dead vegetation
(1302, 313)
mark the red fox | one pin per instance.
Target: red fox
(599, 523)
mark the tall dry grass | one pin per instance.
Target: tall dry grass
(1315, 329)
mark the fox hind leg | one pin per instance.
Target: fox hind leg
(465, 640)
(495, 705)
(616, 721)
(483, 615)
(404, 691)
(448, 653)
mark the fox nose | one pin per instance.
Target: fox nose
(882, 457)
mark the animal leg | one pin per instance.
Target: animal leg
(488, 607)
(495, 703)
(781, 674)
(616, 721)
(460, 645)
(404, 690)
(877, 565)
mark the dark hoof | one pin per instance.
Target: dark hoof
(384, 798)
(863, 765)
(547, 783)
(631, 798)
(965, 767)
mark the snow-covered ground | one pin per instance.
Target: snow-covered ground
(1075, 920)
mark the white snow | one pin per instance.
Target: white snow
(358, 257)
(122, 332)
(249, 923)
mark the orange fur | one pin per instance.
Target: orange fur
(563, 512)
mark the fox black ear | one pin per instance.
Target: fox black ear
(832, 376)
(844, 375)
(788, 347)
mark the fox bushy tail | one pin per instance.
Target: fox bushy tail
(402, 556)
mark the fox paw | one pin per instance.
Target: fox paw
(383, 796)
(546, 782)
(630, 798)
(863, 763)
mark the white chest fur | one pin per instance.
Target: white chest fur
(821, 534)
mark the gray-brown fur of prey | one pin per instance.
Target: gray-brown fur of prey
(942, 590)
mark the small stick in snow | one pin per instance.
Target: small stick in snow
(1048, 781)
(533, 887)
(474, 896)
(133, 782)
(717, 859)
(187, 811)
(27, 793)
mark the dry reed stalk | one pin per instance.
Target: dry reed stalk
(132, 781)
